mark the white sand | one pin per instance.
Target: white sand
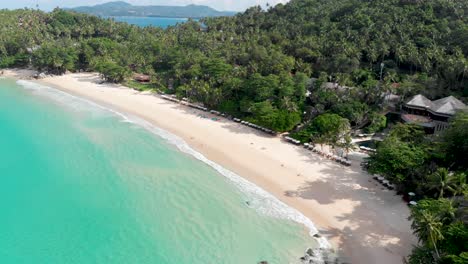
(365, 223)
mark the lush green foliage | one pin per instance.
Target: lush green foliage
(397, 159)
(329, 129)
(112, 72)
(56, 59)
(441, 229)
(377, 123)
(454, 143)
(428, 167)
(261, 61)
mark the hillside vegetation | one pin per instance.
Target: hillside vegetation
(257, 64)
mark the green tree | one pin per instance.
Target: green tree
(428, 228)
(216, 68)
(455, 234)
(439, 229)
(329, 128)
(377, 123)
(459, 184)
(112, 72)
(354, 111)
(347, 145)
(55, 58)
(397, 160)
(455, 142)
(421, 255)
(408, 133)
(440, 181)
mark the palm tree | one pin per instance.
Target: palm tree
(428, 227)
(347, 145)
(459, 185)
(440, 181)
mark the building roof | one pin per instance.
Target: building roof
(420, 101)
(448, 105)
(331, 85)
(445, 106)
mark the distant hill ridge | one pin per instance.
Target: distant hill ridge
(120, 8)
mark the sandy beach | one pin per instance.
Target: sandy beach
(364, 223)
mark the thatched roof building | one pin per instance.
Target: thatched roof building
(432, 115)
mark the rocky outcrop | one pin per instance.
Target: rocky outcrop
(319, 256)
(39, 75)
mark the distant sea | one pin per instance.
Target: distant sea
(162, 22)
(80, 183)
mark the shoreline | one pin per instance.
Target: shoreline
(364, 223)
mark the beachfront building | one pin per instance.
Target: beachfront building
(432, 115)
(142, 78)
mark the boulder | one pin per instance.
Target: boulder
(39, 75)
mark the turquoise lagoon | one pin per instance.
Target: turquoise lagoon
(162, 22)
(80, 183)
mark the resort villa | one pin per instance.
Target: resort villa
(432, 115)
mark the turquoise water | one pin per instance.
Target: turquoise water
(162, 22)
(81, 184)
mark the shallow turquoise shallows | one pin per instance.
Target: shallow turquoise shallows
(82, 184)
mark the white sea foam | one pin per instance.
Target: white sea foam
(260, 199)
(73, 102)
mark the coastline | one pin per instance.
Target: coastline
(363, 222)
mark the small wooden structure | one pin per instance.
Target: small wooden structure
(142, 78)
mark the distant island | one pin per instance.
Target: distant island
(121, 8)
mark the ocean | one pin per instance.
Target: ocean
(80, 183)
(162, 22)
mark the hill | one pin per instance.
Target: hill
(125, 9)
(253, 65)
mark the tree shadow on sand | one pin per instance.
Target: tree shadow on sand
(378, 219)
